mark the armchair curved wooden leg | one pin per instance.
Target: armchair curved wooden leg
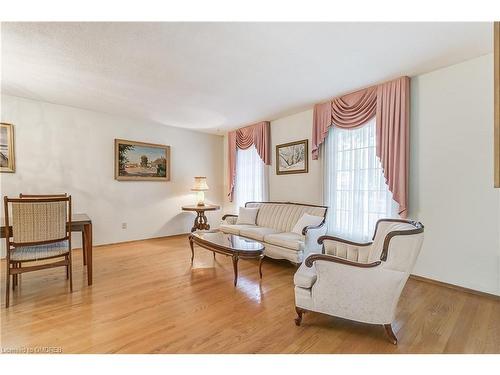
(390, 333)
(298, 319)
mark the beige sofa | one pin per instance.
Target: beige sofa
(273, 228)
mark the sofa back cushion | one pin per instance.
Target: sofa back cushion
(283, 216)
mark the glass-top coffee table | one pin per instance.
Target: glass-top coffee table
(228, 244)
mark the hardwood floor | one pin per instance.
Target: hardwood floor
(147, 299)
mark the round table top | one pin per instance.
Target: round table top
(207, 207)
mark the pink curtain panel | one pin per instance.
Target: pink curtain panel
(258, 135)
(389, 102)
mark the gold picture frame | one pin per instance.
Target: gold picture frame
(141, 161)
(292, 157)
(496, 134)
(7, 155)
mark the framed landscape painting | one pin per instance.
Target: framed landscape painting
(139, 161)
(292, 157)
(7, 148)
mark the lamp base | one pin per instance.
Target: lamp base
(201, 198)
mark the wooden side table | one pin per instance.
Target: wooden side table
(200, 221)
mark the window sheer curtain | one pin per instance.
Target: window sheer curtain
(252, 177)
(355, 188)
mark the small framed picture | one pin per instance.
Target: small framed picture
(7, 148)
(139, 161)
(292, 157)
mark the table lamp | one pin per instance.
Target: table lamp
(200, 186)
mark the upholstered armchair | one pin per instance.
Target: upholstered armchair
(360, 281)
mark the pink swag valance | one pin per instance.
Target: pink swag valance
(389, 103)
(258, 135)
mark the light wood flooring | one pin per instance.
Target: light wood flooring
(146, 298)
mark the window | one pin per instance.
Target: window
(251, 177)
(355, 188)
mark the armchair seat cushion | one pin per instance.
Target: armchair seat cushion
(35, 252)
(234, 228)
(289, 240)
(257, 233)
(305, 277)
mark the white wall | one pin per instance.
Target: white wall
(302, 187)
(66, 149)
(451, 175)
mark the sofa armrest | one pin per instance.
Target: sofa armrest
(310, 227)
(229, 219)
(330, 258)
(312, 233)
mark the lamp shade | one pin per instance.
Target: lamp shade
(200, 184)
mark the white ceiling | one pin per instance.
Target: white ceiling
(217, 76)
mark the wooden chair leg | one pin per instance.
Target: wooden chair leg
(14, 277)
(390, 333)
(7, 286)
(67, 268)
(70, 270)
(18, 276)
(298, 319)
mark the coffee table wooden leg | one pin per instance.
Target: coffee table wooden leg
(192, 249)
(235, 268)
(261, 260)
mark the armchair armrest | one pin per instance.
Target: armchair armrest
(330, 258)
(338, 239)
(228, 215)
(345, 249)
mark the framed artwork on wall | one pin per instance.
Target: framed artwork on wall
(139, 161)
(7, 148)
(496, 134)
(292, 157)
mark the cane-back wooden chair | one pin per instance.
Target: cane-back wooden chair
(22, 195)
(37, 228)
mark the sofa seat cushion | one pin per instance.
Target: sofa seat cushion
(289, 240)
(257, 233)
(234, 228)
(279, 252)
(305, 277)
